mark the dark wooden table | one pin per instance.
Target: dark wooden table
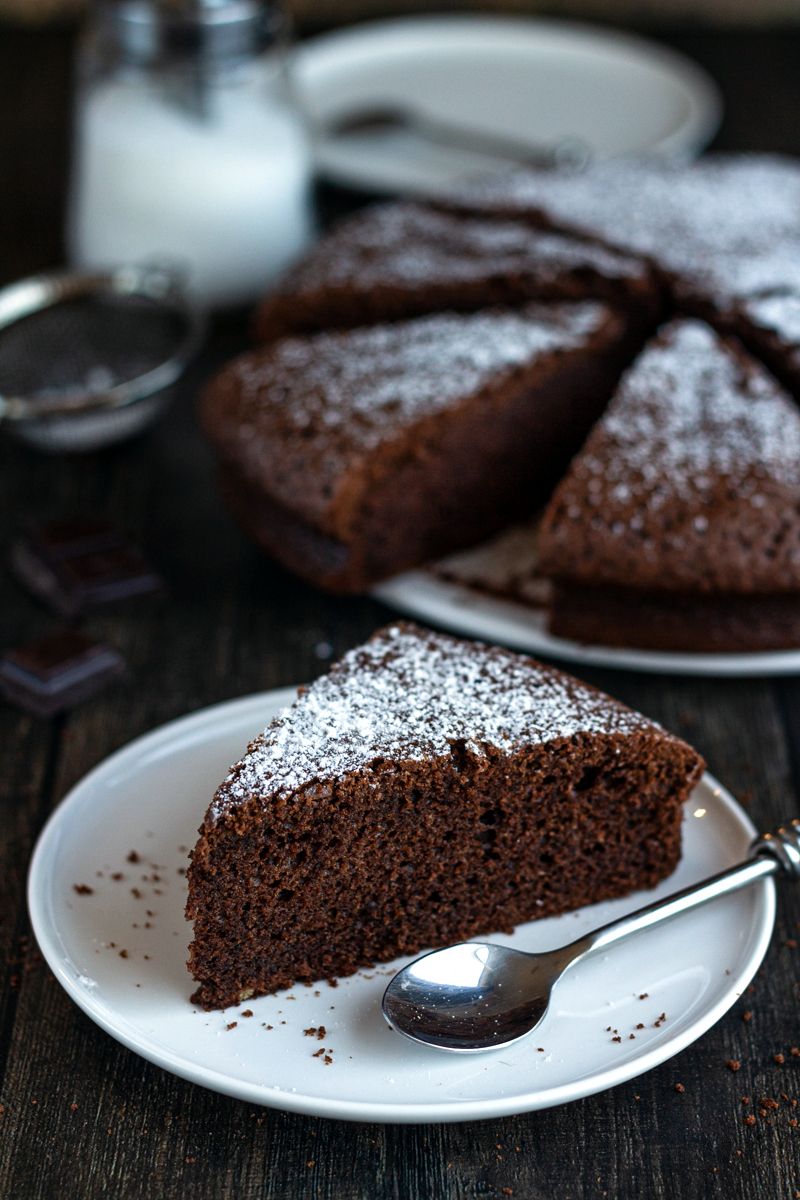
(81, 1116)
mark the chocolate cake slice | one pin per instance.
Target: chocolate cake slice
(723, 234)
(676, 215)
(677, 525)
(401, 260)
(426, 790)
(352, 456)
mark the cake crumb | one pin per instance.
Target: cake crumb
(248, 1012)
(779, 1059)
(733, 1064)
(82, 889)
(231, 1024)
(747, 1016)
(123, 954)
(133, 857)
(680, 1089)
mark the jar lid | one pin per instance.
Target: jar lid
(207, 31)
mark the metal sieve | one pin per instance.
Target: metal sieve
(88, 360)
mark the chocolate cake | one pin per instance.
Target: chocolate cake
(677, 525)
(336, 458)
(351, 456)
(723, 234)
(426, 790)
(402, 260)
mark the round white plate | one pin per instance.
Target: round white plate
(463, 609)
(537, 81)
(150, 797)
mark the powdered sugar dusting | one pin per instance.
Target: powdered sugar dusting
(407, 245)
(410, 694)
(686, 414)
(318, 406)
(372, 379)
(778, 313)
(722, 204)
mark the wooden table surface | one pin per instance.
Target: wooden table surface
(81, 1116)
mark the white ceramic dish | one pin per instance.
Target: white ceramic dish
(150, 797)
(463, 609)
(534, 80)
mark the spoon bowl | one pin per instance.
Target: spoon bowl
(472, 996)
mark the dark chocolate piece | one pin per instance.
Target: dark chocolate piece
(57, 672)
(81, 563)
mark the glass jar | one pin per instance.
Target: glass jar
(188, 145)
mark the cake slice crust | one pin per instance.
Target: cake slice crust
(424, 791)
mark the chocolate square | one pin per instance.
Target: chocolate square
(57, 672)
(79, 563)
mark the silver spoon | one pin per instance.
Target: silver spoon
(392, 118)
(480, 996)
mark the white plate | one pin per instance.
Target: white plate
(535, 80)
(151, 796)
(463, 609)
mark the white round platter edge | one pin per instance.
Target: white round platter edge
(404, 58)
(465, 610)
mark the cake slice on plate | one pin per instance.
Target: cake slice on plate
(677, 525)
(352, 456)
(426, 790)
(403, 260)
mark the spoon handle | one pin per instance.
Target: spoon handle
(775, 853)
(568, 152)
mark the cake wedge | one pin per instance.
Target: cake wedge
(425, 790)
(677, 525)
(352, 456)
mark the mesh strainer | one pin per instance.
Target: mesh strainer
(87, 360)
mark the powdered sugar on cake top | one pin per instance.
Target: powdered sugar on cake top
(409, 694)
(690, 482)
(688, 413)
(671, 212)
(779, 314)
(399, 245)
(388, 374)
